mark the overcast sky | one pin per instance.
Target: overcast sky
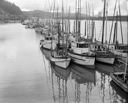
(45, 5)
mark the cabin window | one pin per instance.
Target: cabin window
(50, 38)
(96, 48)
(82, 45)
(46, 38)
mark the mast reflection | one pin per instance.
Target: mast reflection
(83, 76)
(60, 77)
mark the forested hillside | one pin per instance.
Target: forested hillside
(9, 8)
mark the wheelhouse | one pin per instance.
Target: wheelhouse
(83, 45)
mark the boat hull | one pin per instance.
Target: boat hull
(47, 45)
(83, 60)
(108, 60)
(119, 83)
(63, 63)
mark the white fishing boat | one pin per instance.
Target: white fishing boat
(61, 62)
(80, 48)
(108, 60)
(103, 54)
(59, 55)
(81, 54)
(48, 43)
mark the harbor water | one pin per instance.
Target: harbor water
(26, 75)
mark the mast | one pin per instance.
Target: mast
(69, 21)
(68, 31)
(93, 24)
(106, 22)
(85, 33)
(58, 24)
(126, 69)
(79, 18)
(87, 20)
(62, 18)
(52, 30)
(62, 33)
(103, 21)
(121, 24)
(115, 30)
(76, 23)
(112, 21)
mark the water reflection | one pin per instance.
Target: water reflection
(61, 83)
(84, 76)
(26, 75)
(83, 85)
(79, 84)
(119, 93)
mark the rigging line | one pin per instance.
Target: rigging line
(112, 21)
(100, 33)
(49, 5)
(121, 23)
(126, 69)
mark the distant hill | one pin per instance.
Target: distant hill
(9, 8)
(37, 13)
(44, 14)
(9, 11)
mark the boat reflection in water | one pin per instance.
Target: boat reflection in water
(116, 95)
(79, 84)
(85, 79)
(119, 93)
(83, 74)
(59, 84)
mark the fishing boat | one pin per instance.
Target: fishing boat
(118, 48)
(59, 56)
(80, 49)
(48, 42)
(81, 54)
(118, 78)
(119, 92)
(39, 30)
(60, 72)
(61, 62)
(102, 52)
(61, 76)
(121, 78)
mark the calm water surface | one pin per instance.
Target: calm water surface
(26, 76)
